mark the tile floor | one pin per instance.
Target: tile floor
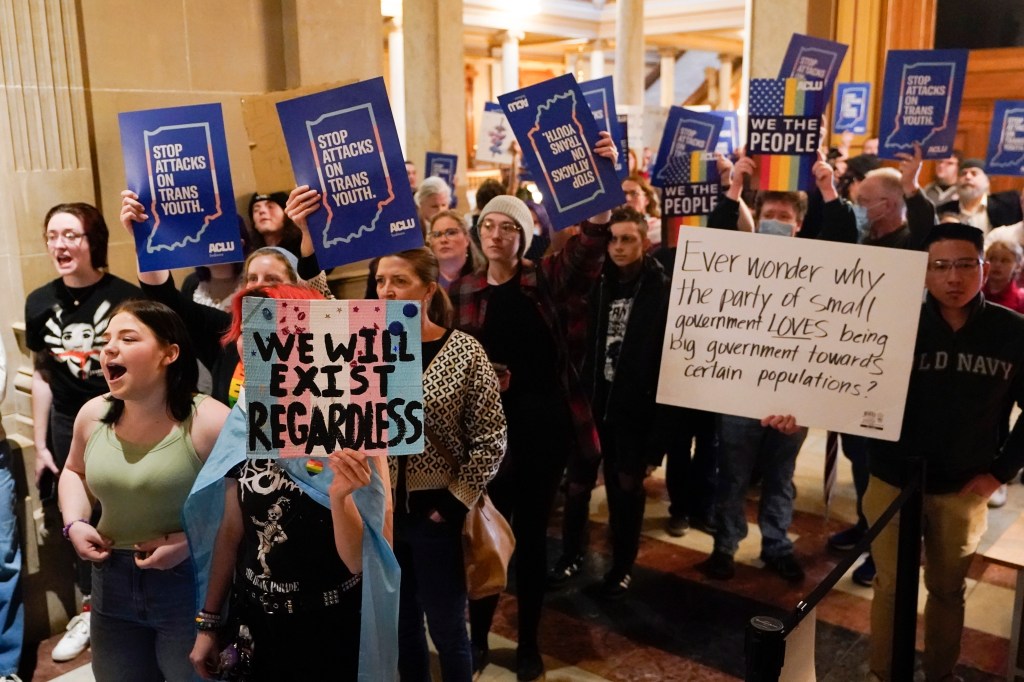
(678, 625)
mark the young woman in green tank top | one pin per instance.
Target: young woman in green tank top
(137, 451)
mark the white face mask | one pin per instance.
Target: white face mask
(776, 227)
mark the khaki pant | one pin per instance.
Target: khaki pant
(953, 525)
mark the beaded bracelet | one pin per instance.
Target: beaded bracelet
(67, 527)
(206, 620)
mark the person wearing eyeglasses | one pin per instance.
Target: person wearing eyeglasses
(455, 251)
(966, 367)
(520, 311)
(64, 320)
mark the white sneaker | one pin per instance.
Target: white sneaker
(75, 640)
(998, 498)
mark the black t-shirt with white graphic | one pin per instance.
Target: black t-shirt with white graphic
(622, 295)
(64, 324)
(288, 542)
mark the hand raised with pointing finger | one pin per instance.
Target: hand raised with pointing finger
(824, 178)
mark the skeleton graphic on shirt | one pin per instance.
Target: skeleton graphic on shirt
(75, 344)
(271, 532)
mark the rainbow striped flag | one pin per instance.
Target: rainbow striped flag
(325, 375)
(784, 132)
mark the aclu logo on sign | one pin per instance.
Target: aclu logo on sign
(518, 103)
(221, 247)
(810, 85)
(400, 226)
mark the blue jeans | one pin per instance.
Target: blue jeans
(746, 446)
(12, 612)
(143, 621)
(433, 583)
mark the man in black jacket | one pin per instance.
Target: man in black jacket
(628, 308)
(967, 369)
(975, 206)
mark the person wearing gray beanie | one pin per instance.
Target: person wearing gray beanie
(520, 312)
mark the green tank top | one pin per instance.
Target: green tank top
(141, 488)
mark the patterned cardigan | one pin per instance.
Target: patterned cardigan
(462, 407)
(556, 285)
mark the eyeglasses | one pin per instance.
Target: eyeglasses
(963, 265)
(868, 204)
(70, 237)
(450, 233)
(507, 229)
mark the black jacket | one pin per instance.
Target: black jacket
(1003, 208)
(838, 223)
(960, 384)
(629, 400)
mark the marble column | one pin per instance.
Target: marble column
(510, 60)
(725, 83)
(629, 66)
(496, 79)
(396, 74)
(596, 60)
(668, 77)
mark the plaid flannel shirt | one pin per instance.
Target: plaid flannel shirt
(556, 285)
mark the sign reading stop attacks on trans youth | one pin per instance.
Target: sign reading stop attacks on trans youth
(761, 325)
(343, 143)
(176, 160)
(557, 133)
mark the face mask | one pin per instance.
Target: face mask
(776, 227)
(863, 224)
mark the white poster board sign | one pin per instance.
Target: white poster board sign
(761, 325)
(495, 139)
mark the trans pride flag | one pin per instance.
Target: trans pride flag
(786, 114)
(323, 375)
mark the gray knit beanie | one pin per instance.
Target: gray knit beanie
(516, 210)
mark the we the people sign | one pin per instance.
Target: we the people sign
(761, 325)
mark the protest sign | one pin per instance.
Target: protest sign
(813, 59)
(921, 102)
(442, 166)
(324, 375)
(761, 325)
(784, 132)
(696, 198)
(851, 113)
(343, 143)
(686, 131)
(495, 140)
(728, 138)
(176, 160)
(557, 135)
(600, 96)
(623, 143)
(1006, 141)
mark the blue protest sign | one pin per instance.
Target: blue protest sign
(851, 113)
(813, 59)
(343, 143)
(685, 131)
(176, 160)
(728, 138)
(623, 143)
(921, 102)
(557, 133)
(1006, 141)
(600, 96)
(442, 166)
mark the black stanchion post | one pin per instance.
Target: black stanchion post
(908, 570)
(765, 649)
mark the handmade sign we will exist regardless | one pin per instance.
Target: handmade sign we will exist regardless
(176, 160)
(325, 375)
(761, 325)
(557, 133)
(344, 144)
